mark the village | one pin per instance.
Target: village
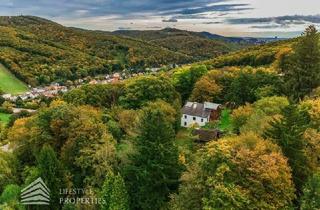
(194, 115)
(55, 88)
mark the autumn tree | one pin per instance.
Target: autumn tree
(205, 90)
(312, 148)
(312, 106)
(240, 116)
(264, 111)
(155, 169)
(77, 135)
(242, 172)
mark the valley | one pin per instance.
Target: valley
(153, 120)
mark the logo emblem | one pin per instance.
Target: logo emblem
(37, 193)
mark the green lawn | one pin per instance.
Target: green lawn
(9, 83)
(4, 118)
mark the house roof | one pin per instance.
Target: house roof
(199, 109)
(196, 109)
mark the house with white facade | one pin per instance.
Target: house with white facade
(200, 114)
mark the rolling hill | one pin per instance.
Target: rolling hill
(39, 51)
(197, 45)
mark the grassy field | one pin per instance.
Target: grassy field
(4, 118)
(9, 83)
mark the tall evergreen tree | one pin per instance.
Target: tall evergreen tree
(51, 171)
(114, 193)
(288, 134)
(302, 69)
(155, 168)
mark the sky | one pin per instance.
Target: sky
(258, 18)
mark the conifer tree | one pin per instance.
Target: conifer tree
(51, 171)
(155, 169)
(288, 134)
(114, 193)
(302, 70)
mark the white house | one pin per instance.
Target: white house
(198, 113)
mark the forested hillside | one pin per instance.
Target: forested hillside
(39, 51)
(124, 144)
(194, 44)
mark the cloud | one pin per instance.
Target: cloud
(216, 8)
(280, 20)
(92, 8)
(272, 26)
(171, 20)
(212, 22)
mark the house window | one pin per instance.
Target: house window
(201, 119)
(185, 116)
(185, 123)
(194, 118)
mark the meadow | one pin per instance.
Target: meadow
(9, 83)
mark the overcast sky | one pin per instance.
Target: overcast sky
(283, 18)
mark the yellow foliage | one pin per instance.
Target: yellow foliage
(312, 149)
(313, 107)
(255, 163)
(205, 90)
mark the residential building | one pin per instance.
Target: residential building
(194, 113)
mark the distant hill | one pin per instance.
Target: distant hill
(198, 45)
(177, 40)
(39, 51)
(240, 40)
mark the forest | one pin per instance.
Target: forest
(39, 51)
(124, 142)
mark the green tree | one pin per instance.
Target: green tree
(242, 88)
(288, 132)
(155, 168)
(302, 68)
(225, 123)
(311, 193)
(185, 79)
(51, 171)
(9, 199)
(114, 193)
(76, 96)
(8, 169)
(142, 90)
